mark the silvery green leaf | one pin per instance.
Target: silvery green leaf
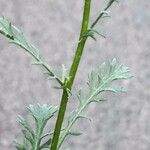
(20, 146)
(118, 71)
(102, 79)
(115, 89)
(42, 113)
(65, 73)
(102, 71)
(92, 32)
(111, 1)
(28, 136)
(74, 133)
(34, 135)
(99, 81)
(5, 28)
(83, 117)
(80, 96)
(26, 125)
(17, 37)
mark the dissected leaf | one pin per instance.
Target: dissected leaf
(115, 89)
(42, 113)
(74, 133)
(98, 81)
(17, 37)
(34, 136)
(19, 146)
(26, 125)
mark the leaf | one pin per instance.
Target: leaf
(101, 80)
(118, 71)
(34, 136)
(5, 28)
(91, 33)
(65, 73)
(98, 81)
(42, 113)
(17, 37)
(25, 124)
(83, 117)
(19, 146)
(74, 133)
(28, 136)
(115, 89)
(103, 13)
(102, 71)
(111, 2)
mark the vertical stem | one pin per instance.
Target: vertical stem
(72, 74)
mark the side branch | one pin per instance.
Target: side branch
(102, 13)
(17, 37)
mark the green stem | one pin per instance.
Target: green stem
(68, 84)
(72, 74)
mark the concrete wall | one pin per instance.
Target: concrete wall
(122, 122)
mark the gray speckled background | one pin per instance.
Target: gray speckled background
(121, 123)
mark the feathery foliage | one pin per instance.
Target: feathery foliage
(98, 81)
(17, 37)
(33, 137)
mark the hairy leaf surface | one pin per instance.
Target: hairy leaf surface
(34, 137)
(99, 81)
(17, 37)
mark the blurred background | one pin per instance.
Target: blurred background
(123, 121)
